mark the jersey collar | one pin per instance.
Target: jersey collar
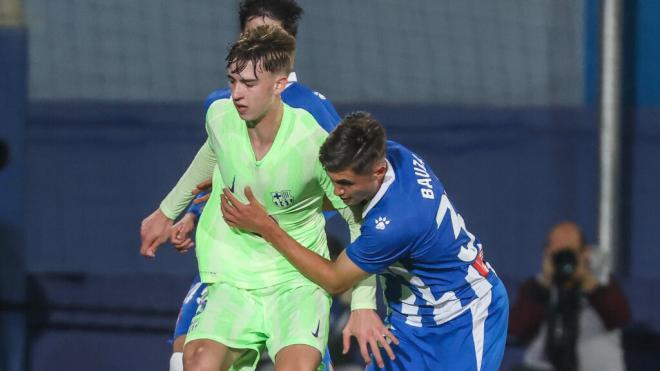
(292, 78)
(387, 182)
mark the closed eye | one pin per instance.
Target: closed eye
(344, 182)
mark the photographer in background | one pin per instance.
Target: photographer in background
(569, 319)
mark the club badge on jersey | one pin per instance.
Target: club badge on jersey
(283, 198)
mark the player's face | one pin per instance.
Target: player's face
(254, 91)
(354, 189)
(257, 21)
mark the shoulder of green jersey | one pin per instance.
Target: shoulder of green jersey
(307, 122)
(219, 106)
(218, 109)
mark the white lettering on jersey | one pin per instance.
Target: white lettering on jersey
(467, 253)
(424, 178)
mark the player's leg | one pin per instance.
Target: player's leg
(186, 314)
(208, 355)
(226, 331)
(297, 357)
(299, 326)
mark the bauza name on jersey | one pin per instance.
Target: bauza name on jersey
(424, 179)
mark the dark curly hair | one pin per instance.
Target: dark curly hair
(355, 144)
(288, 12)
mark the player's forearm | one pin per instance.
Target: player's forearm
(200, 169)
(321, 271)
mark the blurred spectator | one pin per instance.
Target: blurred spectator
(569, 318)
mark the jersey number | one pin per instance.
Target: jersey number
(467, 252)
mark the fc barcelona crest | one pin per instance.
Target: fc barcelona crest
(282, 198)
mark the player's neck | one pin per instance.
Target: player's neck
(262, 133)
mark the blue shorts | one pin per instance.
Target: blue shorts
(473, 341)
(189, 309)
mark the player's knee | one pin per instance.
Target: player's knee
(197, 358)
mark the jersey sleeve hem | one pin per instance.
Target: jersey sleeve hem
(369, 268)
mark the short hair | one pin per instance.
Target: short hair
(355, 144)
(269, 45)
(287, 12)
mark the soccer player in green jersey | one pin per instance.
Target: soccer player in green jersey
(255, 298)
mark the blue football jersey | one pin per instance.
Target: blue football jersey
(413, 236)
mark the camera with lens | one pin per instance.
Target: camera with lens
(565, 263)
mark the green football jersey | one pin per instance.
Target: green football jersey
(289, 181)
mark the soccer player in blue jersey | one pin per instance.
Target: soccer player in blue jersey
(446, 305)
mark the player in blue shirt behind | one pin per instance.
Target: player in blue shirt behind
(446, 306)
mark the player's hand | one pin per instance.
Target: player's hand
(204, 186)
(251, 216)
(368, 329)
(181, 233)
(154, 231)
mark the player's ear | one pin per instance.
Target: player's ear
(280, 84)
(380, 168)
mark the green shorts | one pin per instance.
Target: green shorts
(271, 318)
